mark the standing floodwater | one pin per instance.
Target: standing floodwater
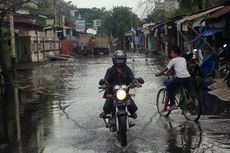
(60, 104)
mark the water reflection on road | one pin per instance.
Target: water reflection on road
(60, 104)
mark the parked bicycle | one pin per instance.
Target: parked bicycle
(224, 64)
(187, 100)
(226, 71)
(224, 68)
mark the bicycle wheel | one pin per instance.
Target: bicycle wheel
(160, 102)
(191, 107)
(228, 81)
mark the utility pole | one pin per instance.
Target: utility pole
(131, 19)
(55, 22)
(14, 60)
(166, 41)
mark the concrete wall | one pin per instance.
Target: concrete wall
(38, 45)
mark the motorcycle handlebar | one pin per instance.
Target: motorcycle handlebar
(128, 87)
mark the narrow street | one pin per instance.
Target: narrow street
(60, 114)
(53, 54)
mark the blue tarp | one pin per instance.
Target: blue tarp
(208, 65)
(206, 33)
(209, 32)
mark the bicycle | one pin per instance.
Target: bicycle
(189, 103)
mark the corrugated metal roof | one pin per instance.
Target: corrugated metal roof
(146, 26)
(219, 13)
(157, 25)
(174, 19)
(198, 15)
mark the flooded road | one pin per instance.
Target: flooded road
(60, 105)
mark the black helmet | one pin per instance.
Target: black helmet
(119, 58)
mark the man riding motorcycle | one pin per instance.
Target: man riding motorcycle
(118, 74)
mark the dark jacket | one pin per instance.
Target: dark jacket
(114, 78)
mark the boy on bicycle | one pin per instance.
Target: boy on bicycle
(182, 76)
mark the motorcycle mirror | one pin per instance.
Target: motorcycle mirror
(141, 80)
(102, 81)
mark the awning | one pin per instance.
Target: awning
(195, 16)
(219, 13)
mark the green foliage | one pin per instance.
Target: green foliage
(46, 4)
(190, 6)
(116, 21)
(177, 12)
(186, 7)
(95, 14)
(40, 21)
(6, 39)
(92, 14)
(119, 21)
(156, 16)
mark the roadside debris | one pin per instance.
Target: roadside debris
(220, 89)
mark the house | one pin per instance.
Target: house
(42, 32)
(33, 42)
(148, 37)
(191, 27)
(220, 20)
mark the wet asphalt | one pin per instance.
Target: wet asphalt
(62, 104)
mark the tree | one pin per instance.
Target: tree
(186, 7)
(94, 14)
(120, 20)
(7, 7)
(116, 21)
(210, 3)
(156, 16)
(45, 4)
(91, 14)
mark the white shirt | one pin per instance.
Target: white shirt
(180, 66)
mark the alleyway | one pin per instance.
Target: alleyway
(60, 114)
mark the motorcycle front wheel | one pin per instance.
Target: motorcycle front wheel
(122, 131)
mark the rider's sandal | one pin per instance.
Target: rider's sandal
(134, 116)
(174, 107)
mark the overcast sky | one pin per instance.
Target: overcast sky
(108, 4)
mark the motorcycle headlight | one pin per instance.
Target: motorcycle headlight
(121, 94)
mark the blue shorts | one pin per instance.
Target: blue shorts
(167, 82)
